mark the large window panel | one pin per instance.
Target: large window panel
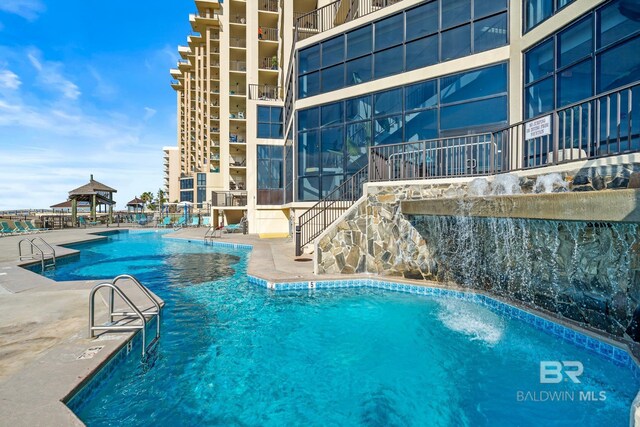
(269, 122)
(455, 12)
(309, 188)
(575, 42)
(539, 62)
(333, 51)
(421, 125)
(421, 95)
(358, 138)
(333, 78)
(359, 42)
(539, 98)
(388, 62)
(308, 153)
(309, 118)
(359, 70)
(422, 20)
(389, 32)
(332, 113)
(358, 108)
(490, 33)
(616, 21)
(474, 84)
(309, 85)
(619, 66)
(456, 43)
(475, 116)
(330, 183)
(537, 11)
(422, 52)
(332, 147)
(309, 59)
(575, 83)
(388, 130)
(488, 7)
(388, 102)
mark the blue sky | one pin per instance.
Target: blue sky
(84, 89)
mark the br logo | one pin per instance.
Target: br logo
(555, 371)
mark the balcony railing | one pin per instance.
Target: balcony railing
(270, 34)
(269, 63)
(265, 92)
(237, 42)
(334, 14)
(268, 5)
(229, 198)
(238, 66)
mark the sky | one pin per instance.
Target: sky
(85, 89)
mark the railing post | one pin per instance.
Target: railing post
(298, 238)
(556, 137)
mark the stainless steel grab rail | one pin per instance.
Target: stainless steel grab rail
(41, 253)
(145, 291)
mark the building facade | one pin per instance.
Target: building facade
(280, 101)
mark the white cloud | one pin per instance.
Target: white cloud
(50, 76)
(102, 89)
(148, 113)
(28, 9)
(9, 80)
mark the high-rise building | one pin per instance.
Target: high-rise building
(280, 101)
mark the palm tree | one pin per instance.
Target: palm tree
(147, 198)
(160, 199)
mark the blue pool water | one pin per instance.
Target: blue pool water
(232, 353)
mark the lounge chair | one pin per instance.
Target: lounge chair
(32, 227)
(232, 228)
(20, 228)
(5, 230)
(180, 222)
(206, 221)
(166, 222)
(195, 222)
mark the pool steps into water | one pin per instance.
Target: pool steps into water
(126, 316)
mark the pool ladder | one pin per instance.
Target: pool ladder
(35, 251)
(136, 312)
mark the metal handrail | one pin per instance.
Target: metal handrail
(32, 255)
(340, 199)
(145, 291)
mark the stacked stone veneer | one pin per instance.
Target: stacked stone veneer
(588, 273)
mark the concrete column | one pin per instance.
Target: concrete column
(93, 207)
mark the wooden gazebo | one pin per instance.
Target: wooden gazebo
(97, 194)
(135, 205)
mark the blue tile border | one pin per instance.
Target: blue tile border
(611, 352)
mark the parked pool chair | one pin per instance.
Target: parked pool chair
(232, 228)
(5, 230)
(21, 228)
(166, 222)
(195, 222)
(32, 227)
(206, 221)
(180, 222)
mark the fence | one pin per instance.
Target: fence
(265, 92)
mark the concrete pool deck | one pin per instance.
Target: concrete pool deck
(43, 323)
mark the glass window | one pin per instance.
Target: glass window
(388, 130)
(333, 78)
(421, 125)
(358, 138)
(388, 62)
(331, 114)
(539, 61)
(276, 131)
(487, 7)
(308, 153)
(422, 52)
(359, 42)
(537, 11)
(276, 114)
(359, 70)
(455, 12)
(388, 102)
(539, 98)
(422, 20)
(619, 66)
(309, 85)
(269, 122)
(309, 59)
(615, 23)
(474, 84)
(456, 43)
(575, 42)
(263, 174)
(474, 116)
(308, 119)
(358, 108)
(263, 114)
(490, 33)
(333, 51)
(389, 31)
(575, 83)
(332, 150)
(421, 95)
(309, 188)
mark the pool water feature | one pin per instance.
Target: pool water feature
(233, 353)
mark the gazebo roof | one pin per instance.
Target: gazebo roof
(136, 202)
(66, 204)
(91, 188)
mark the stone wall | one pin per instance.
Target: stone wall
(588, 272)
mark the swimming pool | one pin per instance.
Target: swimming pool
(236, 354)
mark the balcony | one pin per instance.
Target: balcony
(268, 34)
(265, 92)
(268, 5)
(269, 63)
(238, 42)
(233, 198)
(238, 66)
